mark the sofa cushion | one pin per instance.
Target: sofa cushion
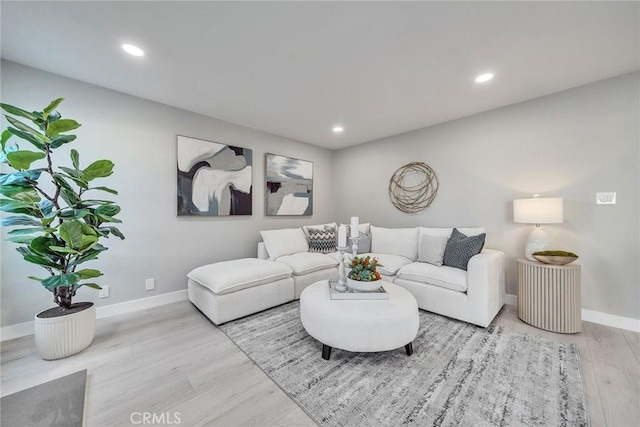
(285, 241)
(305, 228)
(390, 264)
(231, 276)
(432, 249)
(395, 241)
(461, 248)
(444, 277)
(322, 240)
(307, 262)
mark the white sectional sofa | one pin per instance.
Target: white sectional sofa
(410, 258)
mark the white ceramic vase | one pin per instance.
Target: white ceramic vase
(61, 336)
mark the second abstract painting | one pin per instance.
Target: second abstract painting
(289, 186)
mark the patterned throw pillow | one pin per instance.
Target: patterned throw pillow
(322, 240)
(461, 248)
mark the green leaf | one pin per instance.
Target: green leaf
(4, 138)
(40, 245)
(16, 192)
(59, 179)
(91, 285)
(107, 189)
(71, 232)
(115, 232)
(18, 220)
(23, 231)
(69, 196)
(61, 139)
(22, 159)
(36, 140)
(21, 240)
(98, 169)
(37, 279)
(60, 126)
(18, 112)
(21, 178)
(67, 279)
(53, 117)
(88, 273)
(75, 158)
(87, 242)
(19, 125)
(64, 250)
(17, 206)
(108, 210)
(46, 207)
(52, 106)
(42, 261)
(74, 213)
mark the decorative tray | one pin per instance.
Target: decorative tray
(350, 294)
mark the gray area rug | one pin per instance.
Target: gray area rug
(57, 403)
(459, 374)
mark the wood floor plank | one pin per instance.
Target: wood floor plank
(594, 403)
(633, 338)
(609, 347)
(620, 395)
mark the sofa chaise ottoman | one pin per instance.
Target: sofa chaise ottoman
(228, 290)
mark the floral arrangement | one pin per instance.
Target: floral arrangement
(364, 269)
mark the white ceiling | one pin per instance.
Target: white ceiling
(298, 68)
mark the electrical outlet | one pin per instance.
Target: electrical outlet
(606, 198)
(150, 284)
(104, 292)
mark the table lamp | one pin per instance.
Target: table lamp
(537, 210)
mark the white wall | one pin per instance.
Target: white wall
(139, 136)
(569, 145)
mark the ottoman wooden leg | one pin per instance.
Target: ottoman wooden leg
(326, 352)
(409, 348)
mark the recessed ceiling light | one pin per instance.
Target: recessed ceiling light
(338, 129)
(484, 78)
(133, 50)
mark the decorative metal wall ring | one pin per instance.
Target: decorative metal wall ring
(413, 187)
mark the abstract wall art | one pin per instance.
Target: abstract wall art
(289, 186)
(213, 179)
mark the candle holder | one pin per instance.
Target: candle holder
(341, 286)
(354, 245)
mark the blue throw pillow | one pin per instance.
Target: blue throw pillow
(460, 248)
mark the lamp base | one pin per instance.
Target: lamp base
(537, 241)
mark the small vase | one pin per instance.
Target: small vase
(359, 286)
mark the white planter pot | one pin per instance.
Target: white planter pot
(62, 336)
(357, 285)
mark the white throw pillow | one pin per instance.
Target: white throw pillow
(395, 241)
(285, 241)
(432, 249)
(305, 228)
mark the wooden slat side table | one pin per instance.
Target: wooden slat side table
(550, 296)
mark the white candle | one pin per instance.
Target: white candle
(354, 226)
(342, 236)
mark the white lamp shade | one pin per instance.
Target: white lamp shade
(538, 210)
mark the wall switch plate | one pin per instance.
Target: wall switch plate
(150, 284)
(104, 292)
(606, 198)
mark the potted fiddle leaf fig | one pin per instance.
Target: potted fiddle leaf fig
(58, 220)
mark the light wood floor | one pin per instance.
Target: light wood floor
(171, 359)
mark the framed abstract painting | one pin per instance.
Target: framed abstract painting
(213, 179)
(289, 186)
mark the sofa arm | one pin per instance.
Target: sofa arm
(485, 283)
(262, 251)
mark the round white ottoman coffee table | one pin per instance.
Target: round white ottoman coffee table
(360, 325)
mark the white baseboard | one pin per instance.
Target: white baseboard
(510, 299)
(22, 329)
(626, 323)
